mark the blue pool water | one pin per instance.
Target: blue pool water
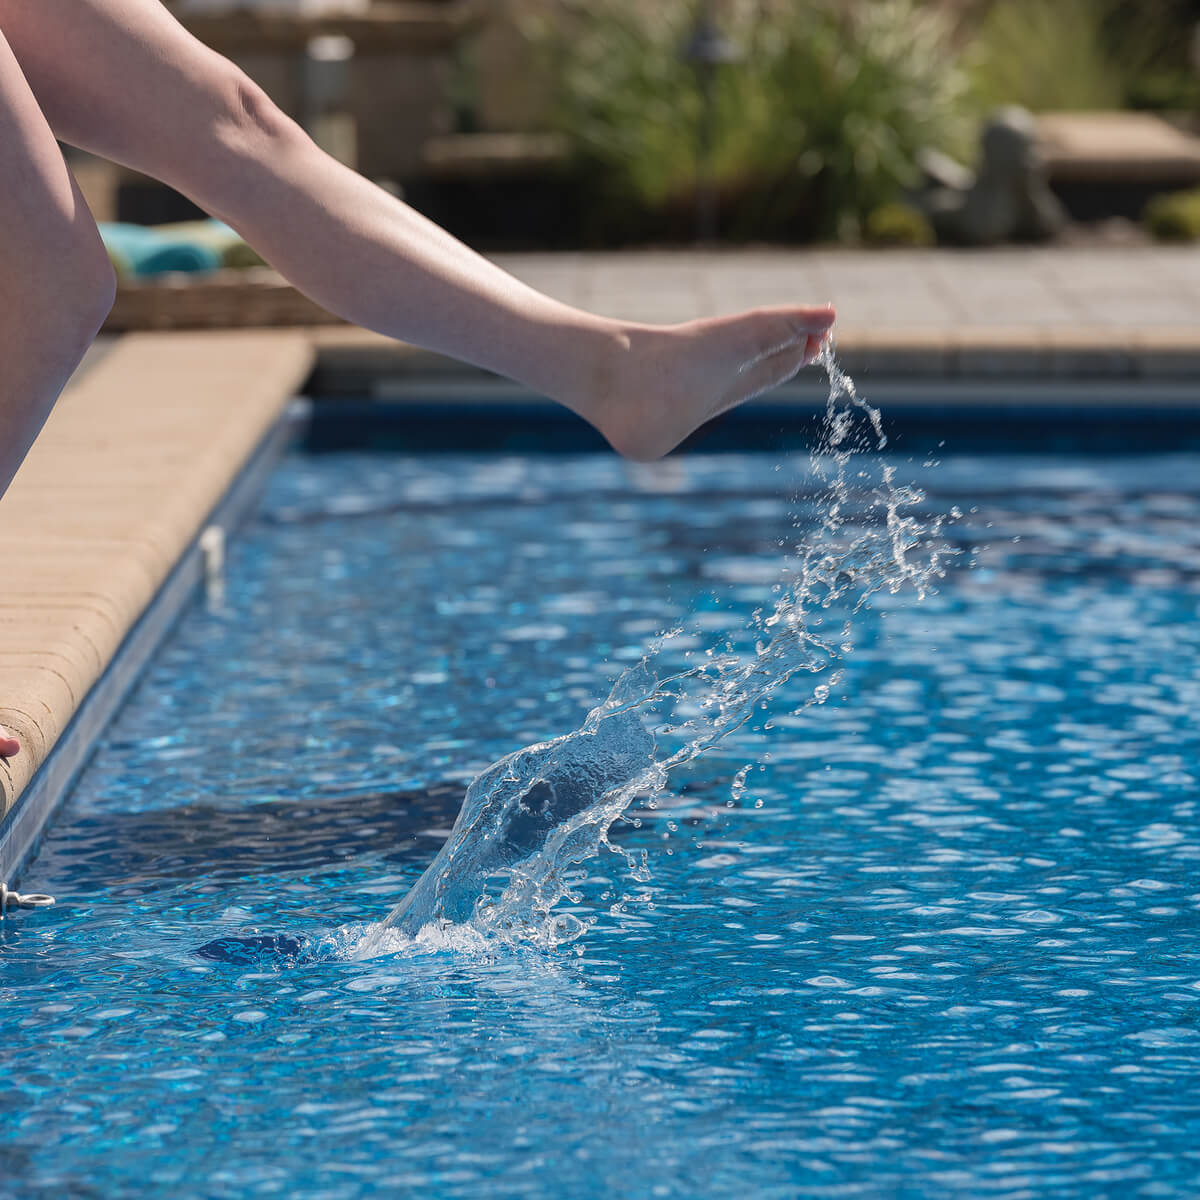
(940, 940)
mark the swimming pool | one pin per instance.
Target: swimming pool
(940, 940)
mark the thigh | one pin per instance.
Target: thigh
(44, 221)
(123, 79)
(55, 277)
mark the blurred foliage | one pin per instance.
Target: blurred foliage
(1080, 54)
(817, 125)
(1165, 90)
(898, 224)
(1174, 217)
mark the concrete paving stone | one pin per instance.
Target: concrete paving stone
(92, 616)
(92, 525)
(1131, 288)
(985, 314)
(130, 563)
(877, 350)
(121, 454)
(915, 308)
(1042, 295)
(87, 635)
(339, 347)
(53, 629)
(650, 308)
(154, 535)
(665, 283)
(1009, 351)
(110, 565)
(1168, 352)
(65, 637)
(111, 511)
(1102, 307)
(1151, 314)
(72, 469)
(769, 293)
(120, 586)
(1054, 285)
(132, 436)
(67, 662)
(40, 585)
(37, 700)
(562, 282)
(618, 291)
(1089, 352)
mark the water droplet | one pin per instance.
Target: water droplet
(738, 787)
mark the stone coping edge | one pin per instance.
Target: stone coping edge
(345, 355)
(54, 778)
(138, 458)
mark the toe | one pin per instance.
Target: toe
(813, 320)
(767, 331)
(8, 744)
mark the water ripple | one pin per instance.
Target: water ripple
(942, 940)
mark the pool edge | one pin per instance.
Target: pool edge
(80, 642)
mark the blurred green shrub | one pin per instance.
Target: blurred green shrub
(818, 124)
(1174, 216)
(1075, 54)
(1165, 90)
(897, 224)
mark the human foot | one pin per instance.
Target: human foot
(665, 381)
(8, 744)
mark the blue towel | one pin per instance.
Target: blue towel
(142, 251)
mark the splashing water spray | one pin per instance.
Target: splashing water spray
(539, 812)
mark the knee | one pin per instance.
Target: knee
(67, 302)
(248, 119)
(93, 293)
(100, 293)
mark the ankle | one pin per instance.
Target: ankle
(614, 385)
(592, 367)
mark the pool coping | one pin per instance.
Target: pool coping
(56, 775)
(167, 437)
(190, 424)
(346, 356)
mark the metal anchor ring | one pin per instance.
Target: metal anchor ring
(10, 899)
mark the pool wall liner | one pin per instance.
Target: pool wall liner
(473, 413)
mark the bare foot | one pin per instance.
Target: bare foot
(667, 380)
(8, 744)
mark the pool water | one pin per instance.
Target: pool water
(941, 938)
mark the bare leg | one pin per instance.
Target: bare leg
(56, 284)
(189, 117)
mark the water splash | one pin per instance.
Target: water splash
(536, 814)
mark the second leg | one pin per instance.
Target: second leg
(57, 284)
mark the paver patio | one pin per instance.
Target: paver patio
(1112, 288)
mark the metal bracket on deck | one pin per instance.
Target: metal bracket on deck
(11, 900)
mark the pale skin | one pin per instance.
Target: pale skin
(123, 79)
